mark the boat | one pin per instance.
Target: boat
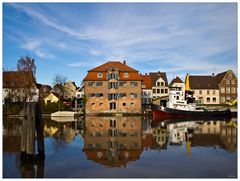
(182, 105)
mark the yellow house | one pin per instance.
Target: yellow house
(52, 97)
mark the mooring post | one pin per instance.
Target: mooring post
(39, 130)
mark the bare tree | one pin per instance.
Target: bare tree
(59, 79)
(27, 64)
(27, 69)
(58, 86)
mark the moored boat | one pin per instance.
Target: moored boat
(183, 106)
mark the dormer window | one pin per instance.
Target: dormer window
(126, 74)
(99, 75)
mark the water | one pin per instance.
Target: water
(126, 147)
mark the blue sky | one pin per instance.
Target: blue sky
(71, 38)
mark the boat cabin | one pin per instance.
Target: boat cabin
(177, 100)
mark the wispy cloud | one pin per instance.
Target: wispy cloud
(175, 38)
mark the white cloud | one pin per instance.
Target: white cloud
(95, 52)
(31, 44)
(62, 45)
(184, 36)
(40, 53)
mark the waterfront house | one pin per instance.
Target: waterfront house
(160, 90)
(69, 90)
(44, 90)
(214, 89)
(177, 82)
(227, 82)
(146, 89)
(59, 89)
(113, 87)
(80, 92)
(19, 86)
(51, 97)
(205, 89)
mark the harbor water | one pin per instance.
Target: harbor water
(126, 147)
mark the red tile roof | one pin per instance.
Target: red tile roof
(113, 64)
(121, 67)
(147, 81)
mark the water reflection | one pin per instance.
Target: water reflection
(113, 141)
(118, 141)
(63, 133)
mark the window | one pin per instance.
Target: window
(227, 89)
(162, 83)
(99, 83)
(122, 95)
(227, 98)
(214, 92)
(124, 104)
(93, 104)
(90, 84)
(200, 91)
(227, 81)
(99, 94)
(133, 95)
(158, 91)
(222, 99)
(122, 83)
(113, 76)
(134, 84)
(154, 90)
(162, 91)
(91, 94)
(166, 91)
(99, 75)
(214, 99)
(143, 86)
(208, 92)
(112, 85)
(100, 104)
(158, 83)
(208, 99)
(222, 89)
(233, 90)
(112, 96)
(126, 74)
(112, 123)
(132, 104)
(233, 81)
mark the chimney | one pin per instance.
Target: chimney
(124, 62)
(213, 75)
(145, 73)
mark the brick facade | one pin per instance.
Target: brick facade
(116, 89)
(228, 87)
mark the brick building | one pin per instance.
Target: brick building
(113, 87)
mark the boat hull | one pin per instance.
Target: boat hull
(168, 113)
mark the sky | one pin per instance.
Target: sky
(72, 38)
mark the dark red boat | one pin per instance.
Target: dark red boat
(167, 113)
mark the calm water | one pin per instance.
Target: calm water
(126, 147)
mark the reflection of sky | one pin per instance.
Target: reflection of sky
(10, 169)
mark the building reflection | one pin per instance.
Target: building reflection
(113, 141)
(117, 141)
(209, 133)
